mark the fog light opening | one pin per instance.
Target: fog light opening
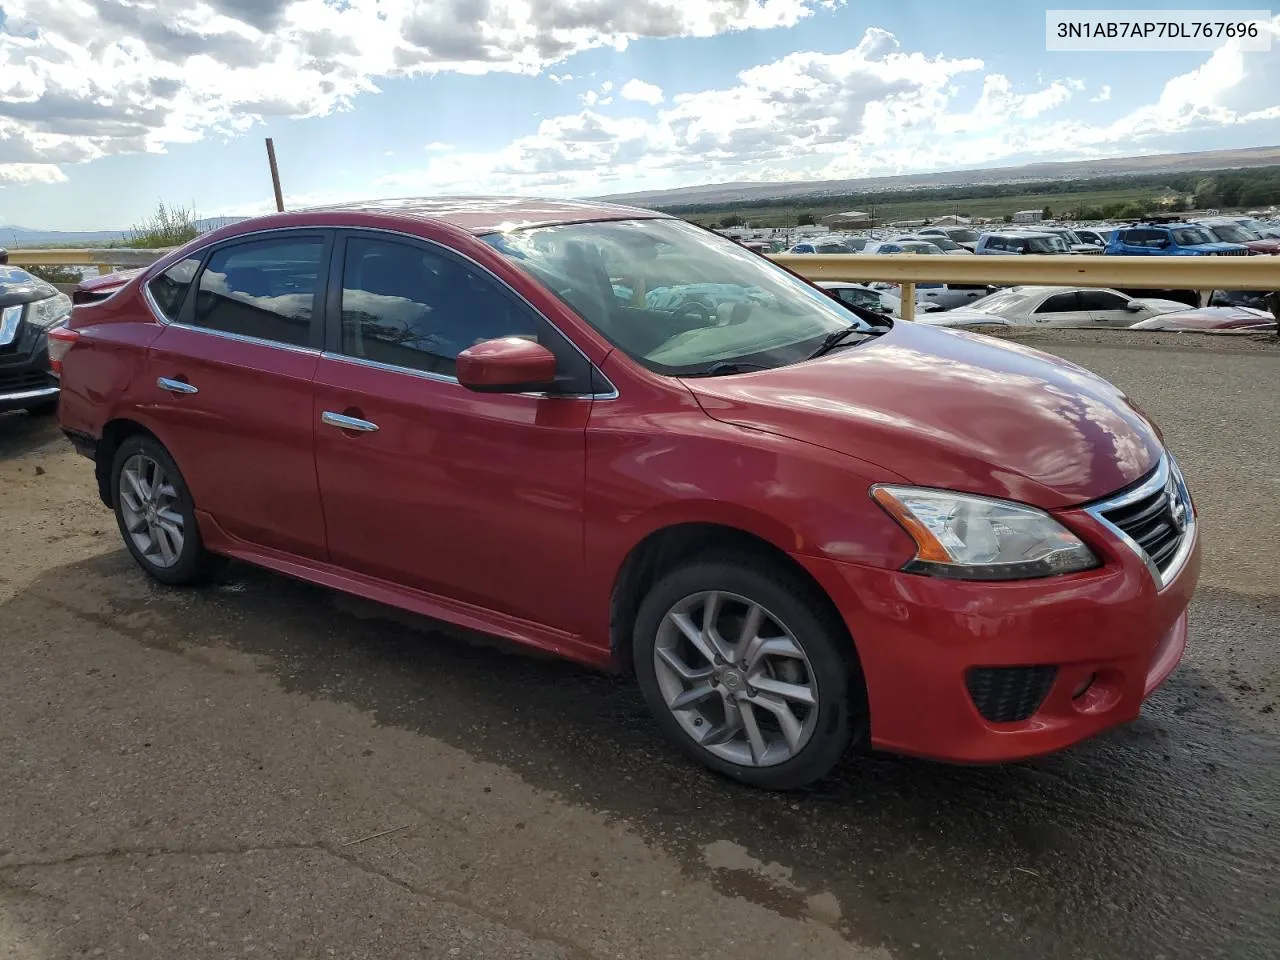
(1083, 686)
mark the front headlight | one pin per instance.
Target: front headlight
(49, 312)
(966, 537)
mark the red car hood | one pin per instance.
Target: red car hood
(953, 410)
(1264, 246)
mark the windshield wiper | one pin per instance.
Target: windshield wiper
(833, 339)
(724, 367)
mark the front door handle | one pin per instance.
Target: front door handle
(176, 386)
(343, 422)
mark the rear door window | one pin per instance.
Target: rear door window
(1060, 303)
(169, 290)
(265, 289)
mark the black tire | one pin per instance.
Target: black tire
(46, 409)
(194, 564)
(841, 700)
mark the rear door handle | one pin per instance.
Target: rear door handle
(176, 386)
(343, 422)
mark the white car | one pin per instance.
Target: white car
(943, 296)
(902, 246)
(877, 301)
(1062, 307)
(941, 241)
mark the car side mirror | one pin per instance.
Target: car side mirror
(1162, 243)
(506, 365)
(1133, 306)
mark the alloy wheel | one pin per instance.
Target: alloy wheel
(150, 509)
(736, 679)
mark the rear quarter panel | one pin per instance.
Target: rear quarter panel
(102, 372)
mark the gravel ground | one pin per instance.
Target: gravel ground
(264, 768)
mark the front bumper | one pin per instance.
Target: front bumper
(922, 641)
(25, 380)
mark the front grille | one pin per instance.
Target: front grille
(1231, 253)
(1156, 522)
(1009, 694)
(21, 380)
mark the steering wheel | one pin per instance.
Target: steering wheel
(704, 311)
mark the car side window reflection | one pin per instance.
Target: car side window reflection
(264, 289)
(409, 307)
(1059, 303)
(169, 290)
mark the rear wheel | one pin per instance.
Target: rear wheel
(745, 672)
(155, 513)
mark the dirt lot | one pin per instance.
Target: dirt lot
(263, 768)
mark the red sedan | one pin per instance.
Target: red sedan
(619, 437)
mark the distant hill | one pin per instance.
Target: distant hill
(15, 238)
(1058, 170)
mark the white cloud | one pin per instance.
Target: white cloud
(641, 92)
(873, 109)
(1103, 95)
(31, 173)
(82, 79)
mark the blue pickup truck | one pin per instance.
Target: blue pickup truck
(1170, 240)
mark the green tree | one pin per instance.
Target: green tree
(1047, 213)
(732, 220)
(51, 274)
(167, 227)
(805, 219)
(1008, 218)
(1206, 194)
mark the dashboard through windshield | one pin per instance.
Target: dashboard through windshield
(680, 300)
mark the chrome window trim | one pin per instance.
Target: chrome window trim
(446, 378)
(243, 338)
(200, 251)
(1167, 475)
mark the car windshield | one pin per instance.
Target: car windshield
(942, 243)
(917, 246)
(834, 246)
(1070, 236)
(1190, 236)
(1231, 233)
(963, 236)
(1000, 301)
(676, 298)
(1049, 244)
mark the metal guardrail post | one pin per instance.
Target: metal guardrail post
(908, 308)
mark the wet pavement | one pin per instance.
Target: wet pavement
(208, 771)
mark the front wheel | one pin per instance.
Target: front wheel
(743, 670)
(155, 513)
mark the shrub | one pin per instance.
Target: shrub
(167, 227)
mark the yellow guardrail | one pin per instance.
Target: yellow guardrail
(1143, 273)
(1135, 273)
(106, 259)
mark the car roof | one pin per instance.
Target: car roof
(492, 214)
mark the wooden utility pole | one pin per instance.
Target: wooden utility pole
(275, 175)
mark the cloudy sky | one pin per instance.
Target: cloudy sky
(108, 106)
